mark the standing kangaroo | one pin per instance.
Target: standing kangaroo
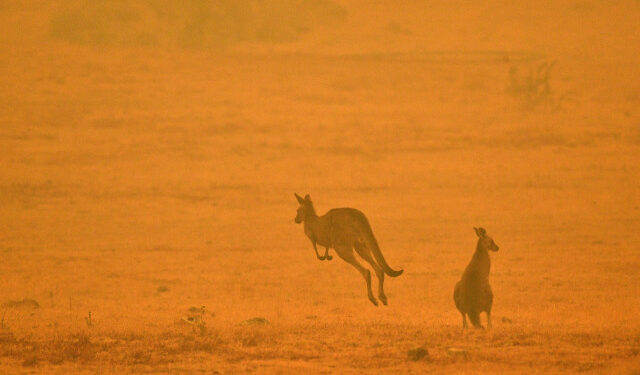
(346, 229)
(472, 293)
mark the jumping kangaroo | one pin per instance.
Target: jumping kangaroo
(472, 293)
(345, 229)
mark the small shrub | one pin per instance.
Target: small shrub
(196, 318)
(79, 347)
(163, 289)
(418, 353)
(139, 357)
(533, 89)
(251, 336)
(30, 361)
(88, 320)
(209, 343)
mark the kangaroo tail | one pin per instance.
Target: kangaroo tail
(375, 249)
(474, 317)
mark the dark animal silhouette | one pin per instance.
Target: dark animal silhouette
(472, 293)
(346, 229)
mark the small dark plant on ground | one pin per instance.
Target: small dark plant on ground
(533, 89)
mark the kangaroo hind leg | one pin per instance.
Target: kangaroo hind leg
(326, 254)
(346, 253)
(464, 320)
(489, 299)
(364, 252)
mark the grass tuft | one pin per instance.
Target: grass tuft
(533, 89)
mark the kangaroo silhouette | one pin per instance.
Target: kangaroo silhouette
(346, 229)
(472, 293)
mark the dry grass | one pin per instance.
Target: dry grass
(140, 184)
(506, 349)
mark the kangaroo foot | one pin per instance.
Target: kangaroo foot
(373, 300)
(326, 254)
(383, 298)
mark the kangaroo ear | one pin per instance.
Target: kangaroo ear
(307, 198)
(299, 198)
(477, 231)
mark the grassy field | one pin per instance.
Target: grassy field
(139, 183)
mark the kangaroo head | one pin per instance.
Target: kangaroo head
(485, 242)
(305, 208)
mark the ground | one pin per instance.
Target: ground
(139, 182)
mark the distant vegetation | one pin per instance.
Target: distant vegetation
(190, 23)
(533, 89)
